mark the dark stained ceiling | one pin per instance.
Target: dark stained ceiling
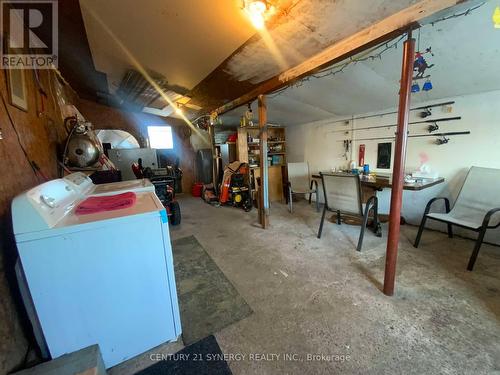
(206, 48)
(209, 49)
(75, 58)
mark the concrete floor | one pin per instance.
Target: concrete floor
(320, 297)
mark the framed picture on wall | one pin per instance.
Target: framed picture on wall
(384, 152)
(16, 84)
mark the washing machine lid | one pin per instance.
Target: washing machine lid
(122, 187)
(43, 206)
(146, 203)
(50, 207)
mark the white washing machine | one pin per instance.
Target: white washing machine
(105, 278)
(83, 184)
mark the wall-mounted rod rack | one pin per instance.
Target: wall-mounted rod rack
(392, 125)
(393, 112)
(410, 136)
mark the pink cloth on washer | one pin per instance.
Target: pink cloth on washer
(93, 205)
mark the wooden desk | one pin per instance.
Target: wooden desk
(378, 183)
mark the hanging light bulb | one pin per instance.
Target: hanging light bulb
(257, 20)
(256, 10)
(415, 87)
(249, 112)
(496, 18)
(427, 85)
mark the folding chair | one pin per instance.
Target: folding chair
(476, 207)
(299, 182)
(343, 195)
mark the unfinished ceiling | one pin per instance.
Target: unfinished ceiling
(304, 29)
(182, 40)
(466, 55)
(309, 27)
(207, 46)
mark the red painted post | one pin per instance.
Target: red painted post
(399, 165)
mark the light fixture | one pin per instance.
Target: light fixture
(249, 112)
(415, 87)
(256, 10)
(496, 18)
(178, 110)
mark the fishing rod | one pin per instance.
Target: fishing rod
(411, 136)
(392, 125)
(393, 112)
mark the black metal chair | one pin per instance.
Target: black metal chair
(343, 195)
(476, 207)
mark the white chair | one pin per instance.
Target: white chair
(343, 195)
(299, 182)
(476, 207)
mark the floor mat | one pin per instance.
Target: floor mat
(201, 358)
(207, 299)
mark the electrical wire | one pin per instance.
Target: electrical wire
(339, 68)
(456, 15)
(369, 55)
(31, 163)
(364, 57)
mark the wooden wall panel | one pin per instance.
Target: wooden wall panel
(40, 135)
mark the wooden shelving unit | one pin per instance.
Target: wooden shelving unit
(248, 152)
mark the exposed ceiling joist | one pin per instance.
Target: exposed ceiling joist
(384, 30)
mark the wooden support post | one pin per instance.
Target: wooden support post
(215, 159)
(399, 165)
(264, 172)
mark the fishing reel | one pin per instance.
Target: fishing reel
(442, 141)
(433, 128)
(426, 113)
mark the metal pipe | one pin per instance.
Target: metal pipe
(399, 165)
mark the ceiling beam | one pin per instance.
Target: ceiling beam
(379, 32)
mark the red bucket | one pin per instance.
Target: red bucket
(196, 189)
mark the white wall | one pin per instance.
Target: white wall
(320, 144)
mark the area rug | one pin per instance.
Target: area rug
(208, 301)
(201, 358)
